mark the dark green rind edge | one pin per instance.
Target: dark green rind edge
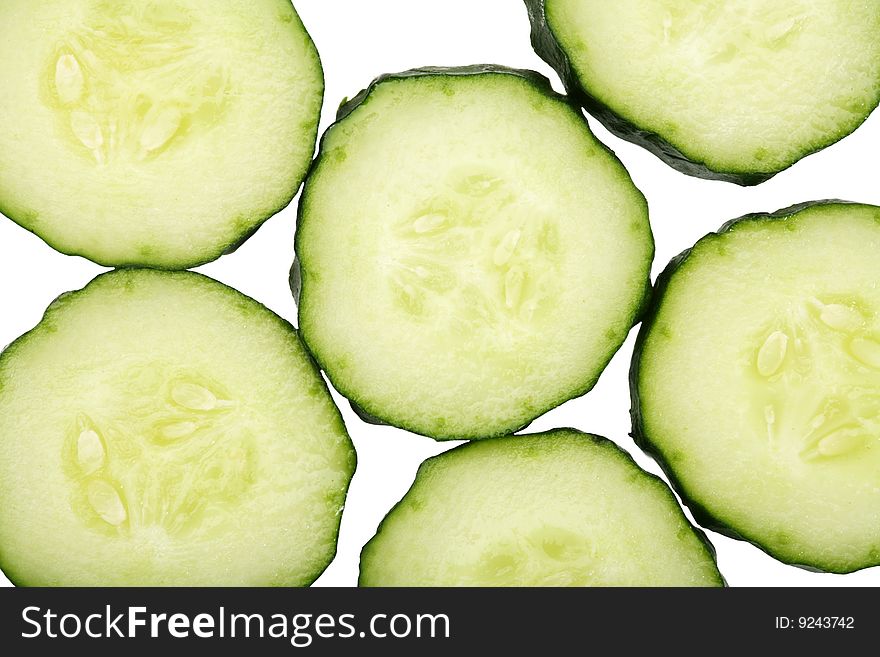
(21, 580)
(262, 216)
(548, 48)
(366, 417)
(599, 440)
(347, 107)
(350, 105)
(702, 514)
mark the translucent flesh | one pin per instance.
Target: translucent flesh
(742, 86)
(162, 429)
(156, 132)
(554, 509)
(759, 383)
(470, 254)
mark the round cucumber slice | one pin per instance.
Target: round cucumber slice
(560, 508)
(469, 255)
(160, 428)
(756, 382)
(734, 91)
(157, 133)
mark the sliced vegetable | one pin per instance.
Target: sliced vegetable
(163, 429)
(157, 133)
(756, 382)
(736, 91)
(469, 256)
(560, 508)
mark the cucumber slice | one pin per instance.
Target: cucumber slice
(560, 508)
(157, 133)
(163, 429)
(756, 382)
(734, 91)
(469, 255)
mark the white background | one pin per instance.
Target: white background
(358, 41)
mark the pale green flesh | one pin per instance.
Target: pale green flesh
(748, 86)
(471, 256)
(554, 509)
(759, 383)
(163, 429)
(156, 133)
